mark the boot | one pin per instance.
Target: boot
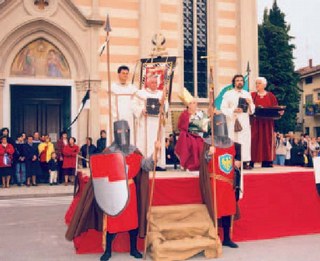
(226, 222)
(133, 244)
(107, 253)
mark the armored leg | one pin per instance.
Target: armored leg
(107, 253)
(226, 224)
(133, 244)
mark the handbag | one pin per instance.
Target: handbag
(6, 159)
(237, 126)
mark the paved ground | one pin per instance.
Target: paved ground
(32, 228)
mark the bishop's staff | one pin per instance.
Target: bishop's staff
(155, 156)
(105, 45)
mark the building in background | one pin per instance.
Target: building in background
(49, 54)
(309, 116)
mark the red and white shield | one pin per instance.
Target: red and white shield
(110, 182)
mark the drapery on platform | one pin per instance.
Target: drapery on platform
(178, 232)
(274, 205)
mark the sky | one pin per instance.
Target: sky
(304, 19)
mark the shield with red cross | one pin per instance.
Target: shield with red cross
(110, 182)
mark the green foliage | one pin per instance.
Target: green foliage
(276, 64)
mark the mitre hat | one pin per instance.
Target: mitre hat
(185, 96)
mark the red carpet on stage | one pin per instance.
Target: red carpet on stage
(274, 205)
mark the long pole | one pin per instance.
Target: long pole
(107, 28)
(248, 73)
(214, 182)
(159, 135)
(88, 115)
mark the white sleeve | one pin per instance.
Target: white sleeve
(252, 105)
(225, 108)
(137, 105)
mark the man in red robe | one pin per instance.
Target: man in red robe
(262, 138)
(192, 123)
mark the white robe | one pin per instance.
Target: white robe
(147, 126)
(121, 105)
(229, 104)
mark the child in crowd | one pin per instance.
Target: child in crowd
(19, 159)
(53, 169)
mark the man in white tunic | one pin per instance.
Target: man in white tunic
(147, 124)
(121, 100)
(233, 110)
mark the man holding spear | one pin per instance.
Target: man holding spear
(217, 172)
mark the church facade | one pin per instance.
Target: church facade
(49, 55)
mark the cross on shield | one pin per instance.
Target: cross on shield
(110, 182)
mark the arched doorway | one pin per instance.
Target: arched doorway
(77, 42)
(45, 109)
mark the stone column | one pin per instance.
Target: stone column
(94, 112)
(2, 82)
(95, 9)
(82, 120)
(249, 39)
(149, 25)
(88, 121)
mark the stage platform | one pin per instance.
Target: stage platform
(277, 202)
(176, 173)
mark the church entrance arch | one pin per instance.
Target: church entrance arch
(45, 109)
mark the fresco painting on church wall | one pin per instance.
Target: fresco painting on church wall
(40, 59)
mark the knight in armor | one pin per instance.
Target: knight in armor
(221, 159)
(128, 219)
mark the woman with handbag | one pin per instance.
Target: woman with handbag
(6, 155)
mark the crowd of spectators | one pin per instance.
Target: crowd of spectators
(291, 150)
(32, 159)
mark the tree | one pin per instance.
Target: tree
(276, 64)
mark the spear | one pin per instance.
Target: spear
(248, 73)
(156, 151)
(211, 110)
(105, 45)
(213, 180)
